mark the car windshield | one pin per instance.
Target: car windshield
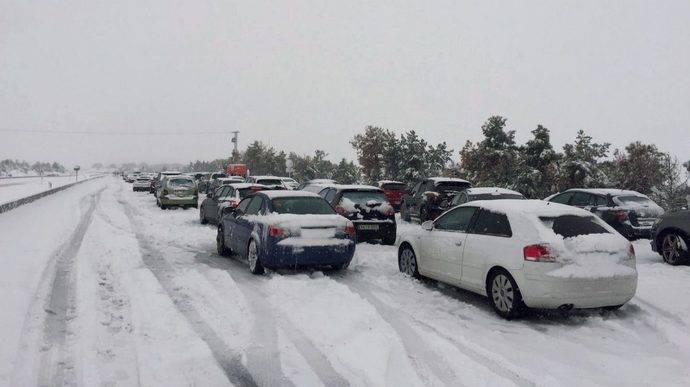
(569, 226)
(270, 181)
(394, 186)
(301, 206)
(362, 197)
(181, 183)
(633, 199)
(452, 185)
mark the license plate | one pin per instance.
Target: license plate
(368, 227)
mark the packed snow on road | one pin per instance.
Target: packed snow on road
(101, 287)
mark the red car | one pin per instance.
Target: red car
(394, 191)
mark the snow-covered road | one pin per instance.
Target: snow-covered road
(100, 287)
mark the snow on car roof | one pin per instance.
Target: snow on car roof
(322, 181)
(441, 179)
(245, 185)
(221, 179)
(608, 191)
(531, 206)
(267, 177)
(355, 187)
(491, 191)
(389, 182)
(289, 194)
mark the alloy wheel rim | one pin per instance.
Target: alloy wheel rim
(408, 262)
(670, 247)
(502, 293)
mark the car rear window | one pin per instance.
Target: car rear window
(452, 185)
(569, 226)
(244, 192)
(270, 181)
(301, 206)
(362, 197)
(181, 183)
(394, 186)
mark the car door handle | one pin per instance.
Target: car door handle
(458, 243)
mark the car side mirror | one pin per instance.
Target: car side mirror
(428, 225)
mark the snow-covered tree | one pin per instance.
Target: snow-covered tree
(581, 163)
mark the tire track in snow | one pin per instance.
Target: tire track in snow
(318, 362)
(364, 288)
(420, 354)
(57, 364)
(228, 359)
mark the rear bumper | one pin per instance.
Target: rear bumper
(550, 293)
(179, 201)
(286, 256)
(385, 230)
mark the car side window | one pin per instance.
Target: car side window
(598, 201)
(492, 223)
(323, 192)
(330, 194)
(457, 219)
(242, 207)
(580, 199)
(255, 206)
(219, 192)
(563, 198)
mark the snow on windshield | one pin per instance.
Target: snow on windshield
(301, 206)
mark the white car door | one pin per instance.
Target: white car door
(488, 242)
(443, 245)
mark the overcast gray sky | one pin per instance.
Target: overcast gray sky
(302, 75)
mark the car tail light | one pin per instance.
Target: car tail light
(621, 215)
(341, 210)
(350, 229)
(538, 253)
(277, 232)
(631, 252)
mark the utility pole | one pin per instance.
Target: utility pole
(235, 152)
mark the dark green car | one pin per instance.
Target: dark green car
(177, 191)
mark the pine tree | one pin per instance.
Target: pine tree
(580, 167)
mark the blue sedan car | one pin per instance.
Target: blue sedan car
(286, 229)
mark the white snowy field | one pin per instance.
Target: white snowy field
(100, 287)
(17, 188)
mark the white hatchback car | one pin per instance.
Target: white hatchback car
(524, 253)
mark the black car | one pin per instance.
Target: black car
(671, 237)
(225, 195)
(206, 181)
(431, 197)
(631, 213)
(485, 193)
(367, 207)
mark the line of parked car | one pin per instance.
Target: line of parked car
(570, 250)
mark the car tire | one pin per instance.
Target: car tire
(340, 267)
(613, 307)
(674, 248)
(504, 295)
(221, 248)
(404, 212)
(202, 218)
(255, 266)
(163, 207)
(407, 261)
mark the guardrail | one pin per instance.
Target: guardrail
(19, 202)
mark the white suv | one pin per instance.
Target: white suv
(524, 253)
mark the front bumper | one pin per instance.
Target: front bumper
(290, 253)
(635, 232)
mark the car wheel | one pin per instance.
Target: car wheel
(163, 206)
(202, 218)
(407, 262)
(674, 249)
(404, 213)
(613, 307)
(504, 295)
(222, 249)
(255, 265)
(340, 267)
